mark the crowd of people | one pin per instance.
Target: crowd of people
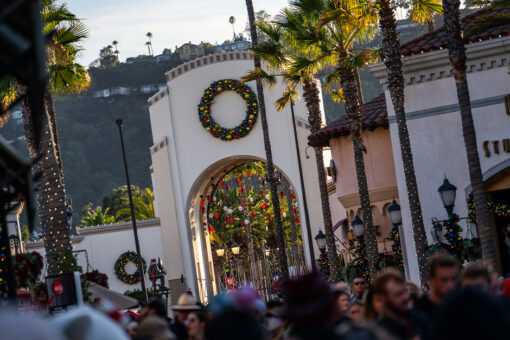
(455, 303)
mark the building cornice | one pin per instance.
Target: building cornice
(197, 63)
(379, 195)
(40, 243)
(153, 222)
(430, 66)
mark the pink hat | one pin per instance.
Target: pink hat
(506, 288)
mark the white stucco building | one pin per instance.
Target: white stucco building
(187, 159)
(435, 129)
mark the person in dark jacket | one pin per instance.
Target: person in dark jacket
(184, 306)
(397, 318)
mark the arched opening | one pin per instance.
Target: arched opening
(233, 232)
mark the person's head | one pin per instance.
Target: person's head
(275, 317)
(185, 304)
(359, 285)
(372, 307)
(443, 270)
(414, 291)
(154, 327)
(196, 324)
(132, 328)
(343, 302)
(154, 308)
(425, 289)
(472, 314)
(475, 275)
(342, 286)
(355, 310)
(495, 285)
(391, 290)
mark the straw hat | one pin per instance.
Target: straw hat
(185, 302)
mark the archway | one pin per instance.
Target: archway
(232, 231)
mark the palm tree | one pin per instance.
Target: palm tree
(65, 76)
(457, 55)
(115, 43)
(144, 208)
(269, 156)
(98, 216)
(342, 23)
(422, 10)
(148, 44)
(279, 54)
(149, 35)
(232, 21)
(486, 22)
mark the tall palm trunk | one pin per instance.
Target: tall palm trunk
(49, 190)
(296, 249)
(311, 97)
(391, 50)
(282, 254)
(457, 54)
(352, 107)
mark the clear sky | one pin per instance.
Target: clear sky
(172, 22)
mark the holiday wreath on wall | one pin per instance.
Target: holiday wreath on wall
(204, 109)
(120, 268)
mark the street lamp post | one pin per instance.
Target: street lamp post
(396, 220)
(448, 191)
(357, 226)
(133, 219)
(320, 239)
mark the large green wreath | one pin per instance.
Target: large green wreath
(120, 268)
(204, 109)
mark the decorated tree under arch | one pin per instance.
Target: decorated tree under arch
(237, 208)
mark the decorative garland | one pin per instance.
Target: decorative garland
(204, 109)
(397, 247)
(498, 209)
(120, 268)
(360, 260)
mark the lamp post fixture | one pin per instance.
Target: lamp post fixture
(235, 249)
(133, 219)
(357, 226)
(436, 231)
(395, 213)
(267, 251)
(448, 191)
(320, 239)
(220, 251)
(396, 220)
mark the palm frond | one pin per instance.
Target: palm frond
(271, 52)
(424, 10)
(258, 73)
(289, 94)
(69, 78)
(488, 22)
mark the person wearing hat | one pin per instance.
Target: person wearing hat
(153, 327)
(184, 306)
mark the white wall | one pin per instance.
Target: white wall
(104, 245)
(436, 135)
(192, 151)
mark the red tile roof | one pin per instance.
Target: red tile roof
(373, 115)
(436, 40)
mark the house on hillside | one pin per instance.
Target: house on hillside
(152, 88)
(165, 56)
(233, 46)
(116, 91)
(190, 51)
